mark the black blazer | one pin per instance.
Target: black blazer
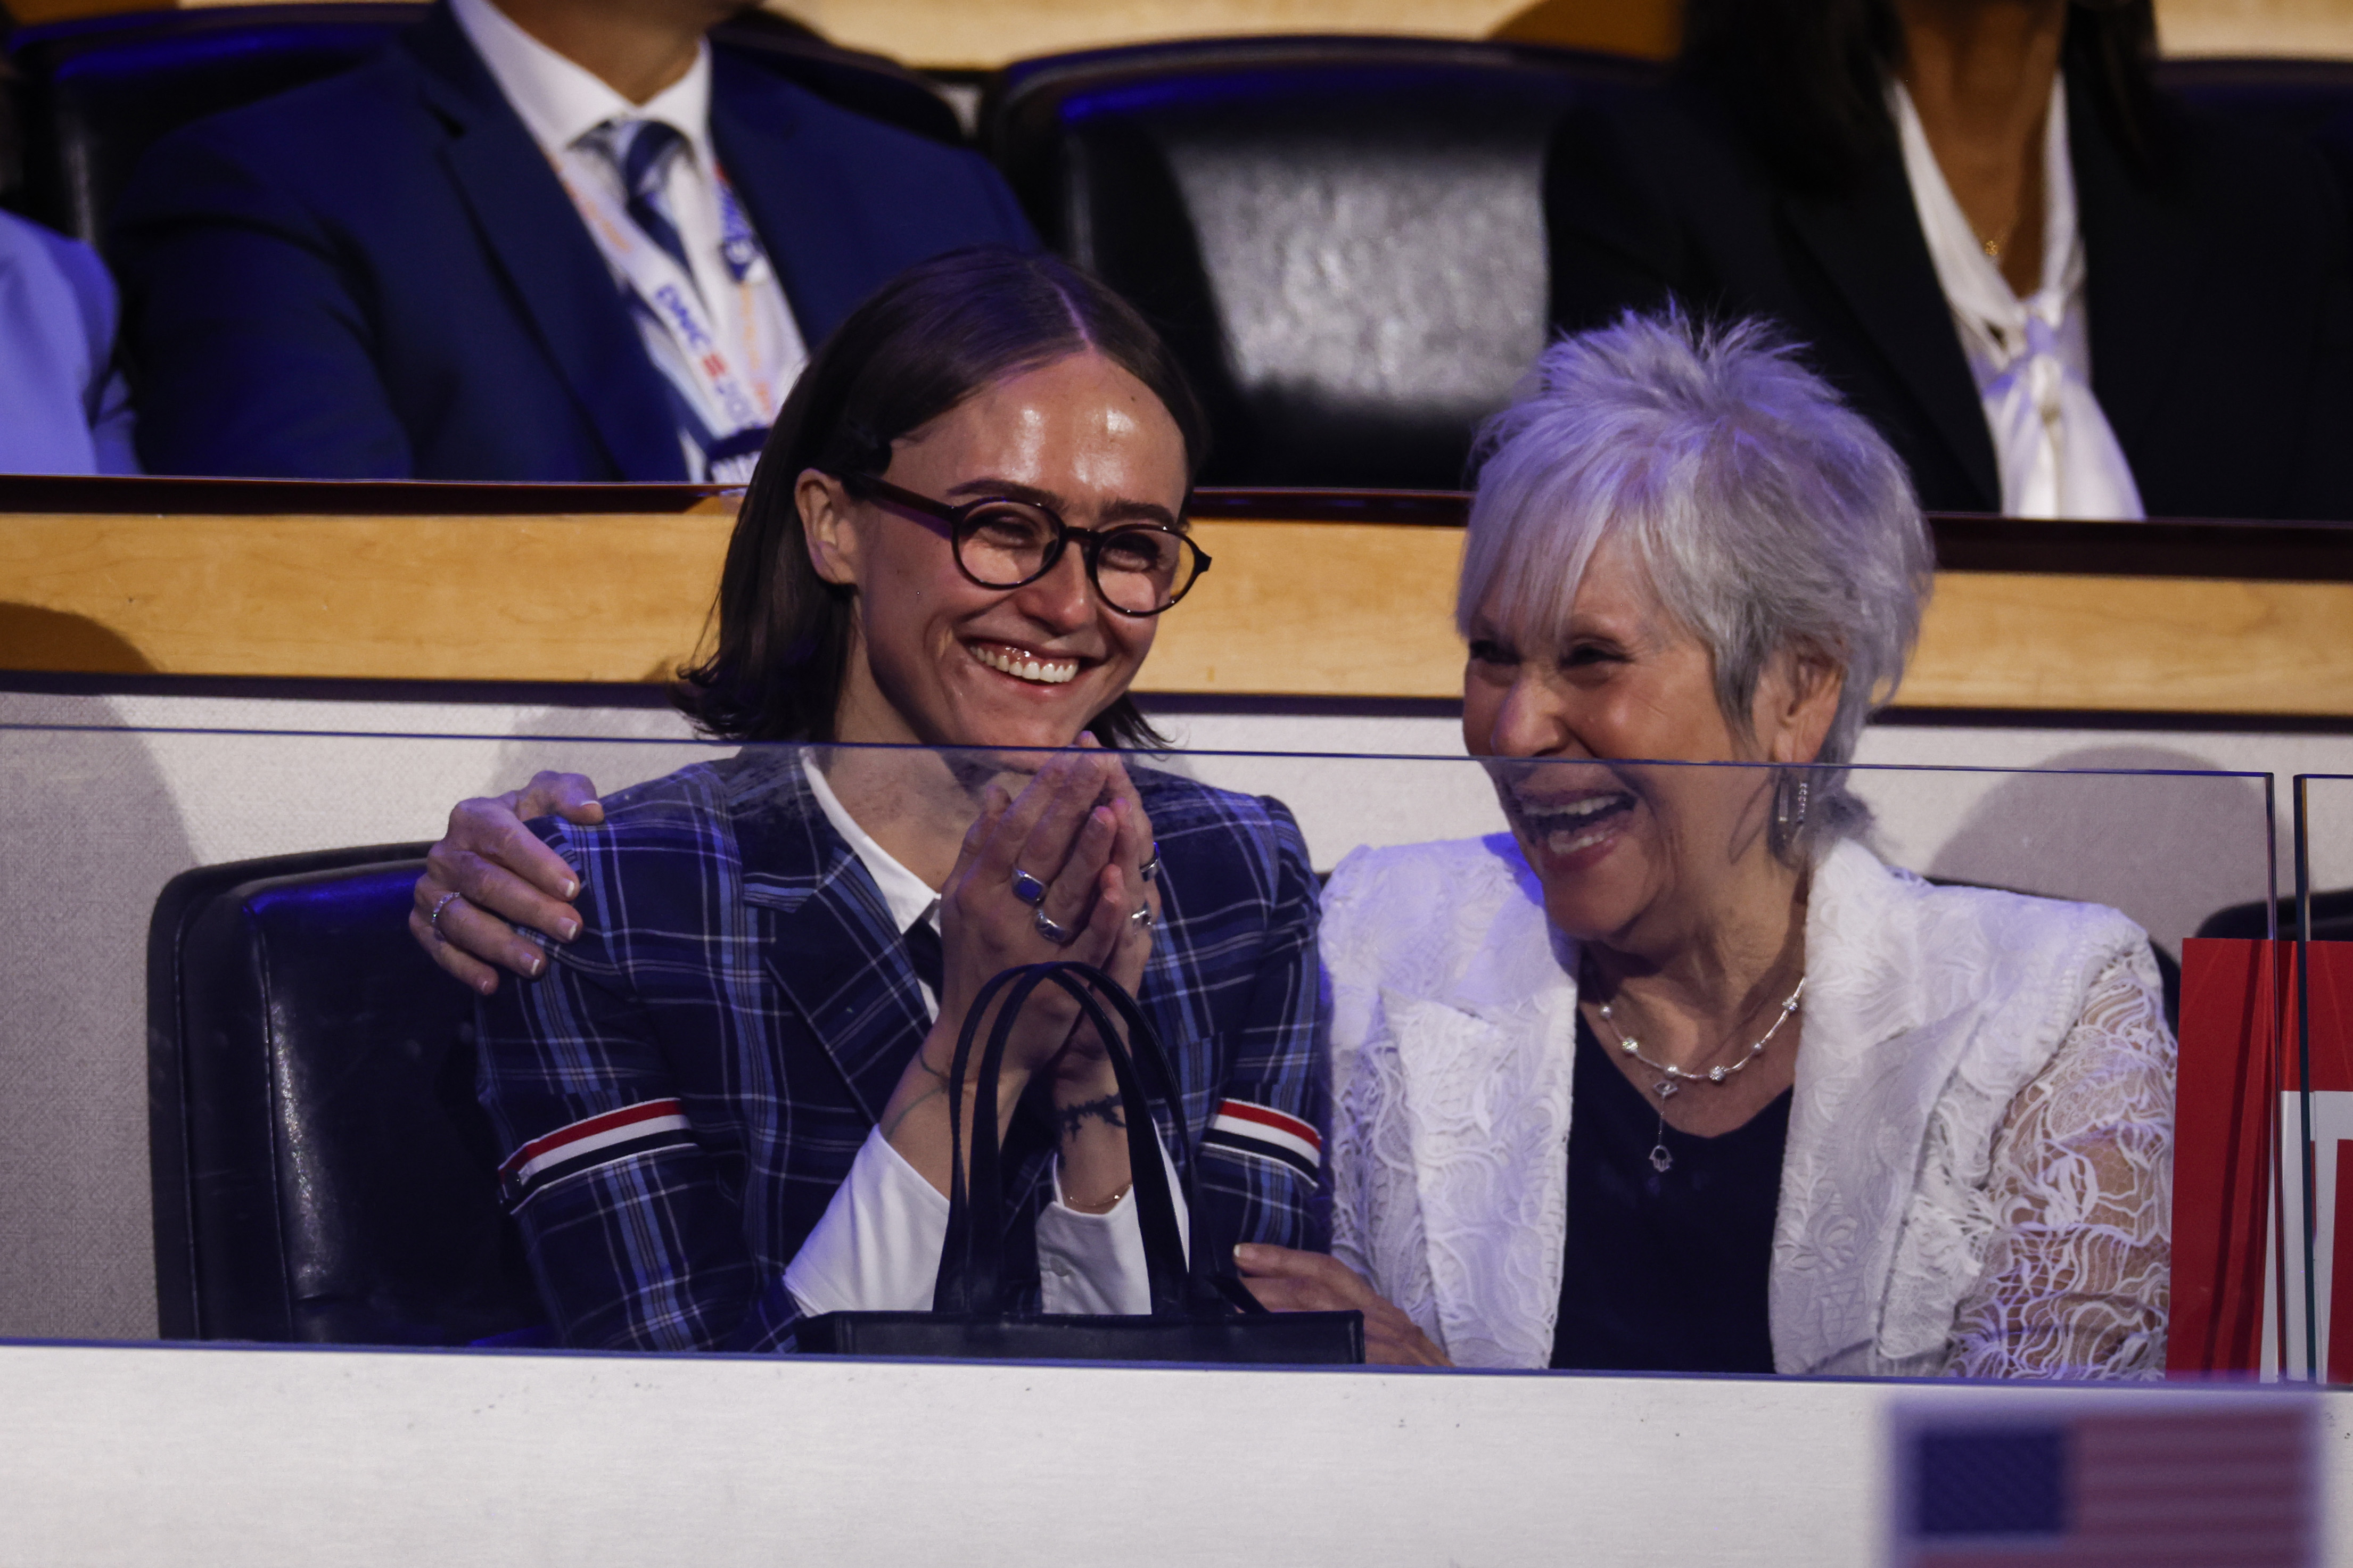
(378, 276)
(2220, 300)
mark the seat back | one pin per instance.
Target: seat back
(98, 93)
(872, 85)
(2332, 919)
(323, 1171)
(2311, 100)
(1343, 238)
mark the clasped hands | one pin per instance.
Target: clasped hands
(1057, 871)
(1100, 850)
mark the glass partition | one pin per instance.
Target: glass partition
(2317, 916)
(2323, 873)
(1913, 904)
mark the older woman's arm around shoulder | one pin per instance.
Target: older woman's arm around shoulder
(2077, 1279)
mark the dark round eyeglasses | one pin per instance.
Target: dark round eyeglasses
(1139, 568)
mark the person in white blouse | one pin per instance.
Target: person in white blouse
(2015, 275)
(2056, 293)
(2019, 313)
(1677, 1075)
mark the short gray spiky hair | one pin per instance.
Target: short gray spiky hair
(1765, 514)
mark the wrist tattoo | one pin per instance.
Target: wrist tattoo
(938, 1092)
(1073, 1117)
(891, 1126)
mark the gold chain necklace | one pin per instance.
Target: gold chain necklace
(1668, 1087)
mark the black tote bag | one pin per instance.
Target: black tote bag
(1197, 1316)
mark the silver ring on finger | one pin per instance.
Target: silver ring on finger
(1027, 888)
(1150, 870)
(1053, 930)
(1143, 918)
(434, 920)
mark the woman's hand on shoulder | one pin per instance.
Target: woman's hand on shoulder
(1285, 1279)
(489, 874)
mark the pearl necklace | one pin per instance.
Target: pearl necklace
(1668, 1087)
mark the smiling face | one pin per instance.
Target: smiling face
(939, 661)
(1640, 857)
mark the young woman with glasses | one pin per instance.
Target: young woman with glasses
(724, 1088)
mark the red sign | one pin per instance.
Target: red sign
(2239, 1169)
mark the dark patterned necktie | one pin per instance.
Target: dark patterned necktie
(641, 151)
(925, 952)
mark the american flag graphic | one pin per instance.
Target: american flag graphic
(2230, 1485)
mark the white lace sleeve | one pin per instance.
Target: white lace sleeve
(2075, 1280)
(1351, 963)
(1376, 1219)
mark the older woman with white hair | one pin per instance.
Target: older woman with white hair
(1677, 1075)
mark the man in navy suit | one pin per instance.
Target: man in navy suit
(534, 239)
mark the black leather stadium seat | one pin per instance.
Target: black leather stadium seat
(323, 1171)
(2332, 919)
(97, 92)
(2309, 100)
(1342, 237)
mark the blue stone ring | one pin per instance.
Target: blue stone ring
(1027, 888)
(1054, 931)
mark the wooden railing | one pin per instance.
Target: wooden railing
(985, 33)
(1314, 594)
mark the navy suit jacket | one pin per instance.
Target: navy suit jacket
(2220, 299)
(379, 276)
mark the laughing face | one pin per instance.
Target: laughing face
(943, 661)
(1640, 857)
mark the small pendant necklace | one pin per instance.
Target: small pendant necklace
(1671, 1084)
(1995, 245)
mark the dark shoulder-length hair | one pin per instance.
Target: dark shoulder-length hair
(931, 338)
(1807, 78)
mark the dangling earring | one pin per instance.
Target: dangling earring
(1786, 821)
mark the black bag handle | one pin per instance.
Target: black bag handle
(972, 1261)
(971, 1276)
(951, 1289)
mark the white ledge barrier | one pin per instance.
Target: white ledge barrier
(302, 1457)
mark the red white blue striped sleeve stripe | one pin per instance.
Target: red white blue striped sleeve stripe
(594, 1140)
(1263, 1133)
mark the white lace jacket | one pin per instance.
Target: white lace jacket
(1978, 1170)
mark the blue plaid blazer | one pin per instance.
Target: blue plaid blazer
(687, 1085)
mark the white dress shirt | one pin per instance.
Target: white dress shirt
(563, 106)
(878, 1246)
(2032, 358)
